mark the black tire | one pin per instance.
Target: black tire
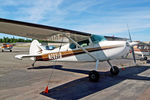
(2, 50)
(93, 76)
(10, 50)
(145, 58)
(115, 71)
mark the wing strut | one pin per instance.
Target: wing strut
(81, 47)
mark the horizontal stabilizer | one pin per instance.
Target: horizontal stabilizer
(20, 57)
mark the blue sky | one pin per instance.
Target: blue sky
(104, 17)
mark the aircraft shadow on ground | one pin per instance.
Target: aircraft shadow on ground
(47, 67)
(82, 87)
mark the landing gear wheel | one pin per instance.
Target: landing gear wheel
(10, 50)
(2, 50)
(93, 76)
(145, 58)
(115, 71)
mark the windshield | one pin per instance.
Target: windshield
(97, 38)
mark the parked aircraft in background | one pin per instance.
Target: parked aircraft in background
(7, 47)
(142, 49)
(81, 46)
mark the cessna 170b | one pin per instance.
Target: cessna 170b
(82, 46)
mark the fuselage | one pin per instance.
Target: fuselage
(104, 50)
(142, 50)
(7, 46)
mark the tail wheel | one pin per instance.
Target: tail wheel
(10, 50)
(93, 76)
(114, 70)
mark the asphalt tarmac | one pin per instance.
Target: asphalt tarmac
(69, 80)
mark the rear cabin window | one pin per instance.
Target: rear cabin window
(49, 47)
(72, 46)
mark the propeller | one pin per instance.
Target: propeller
(133, 54)
(131, 45)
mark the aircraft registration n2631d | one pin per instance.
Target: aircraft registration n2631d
(81, 47)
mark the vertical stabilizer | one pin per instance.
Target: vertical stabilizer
(35, 48)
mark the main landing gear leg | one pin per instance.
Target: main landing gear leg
(33, 63)
(114, 69)
(94, 75)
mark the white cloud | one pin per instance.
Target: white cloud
(83, 5)
(39, 9)
(30, 10)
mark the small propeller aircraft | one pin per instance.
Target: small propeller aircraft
(142, 49)
(7, 47)
(82, 47)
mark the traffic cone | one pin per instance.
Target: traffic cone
(46, 90)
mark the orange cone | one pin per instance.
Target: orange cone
(46, 90)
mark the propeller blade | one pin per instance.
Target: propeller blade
(133, 54)
(131, 45)
(129, 34)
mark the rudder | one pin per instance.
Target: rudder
(35, 48)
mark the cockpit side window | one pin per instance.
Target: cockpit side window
(83, 43)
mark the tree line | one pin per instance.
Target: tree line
(13, 40)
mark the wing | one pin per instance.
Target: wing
(36, 31)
